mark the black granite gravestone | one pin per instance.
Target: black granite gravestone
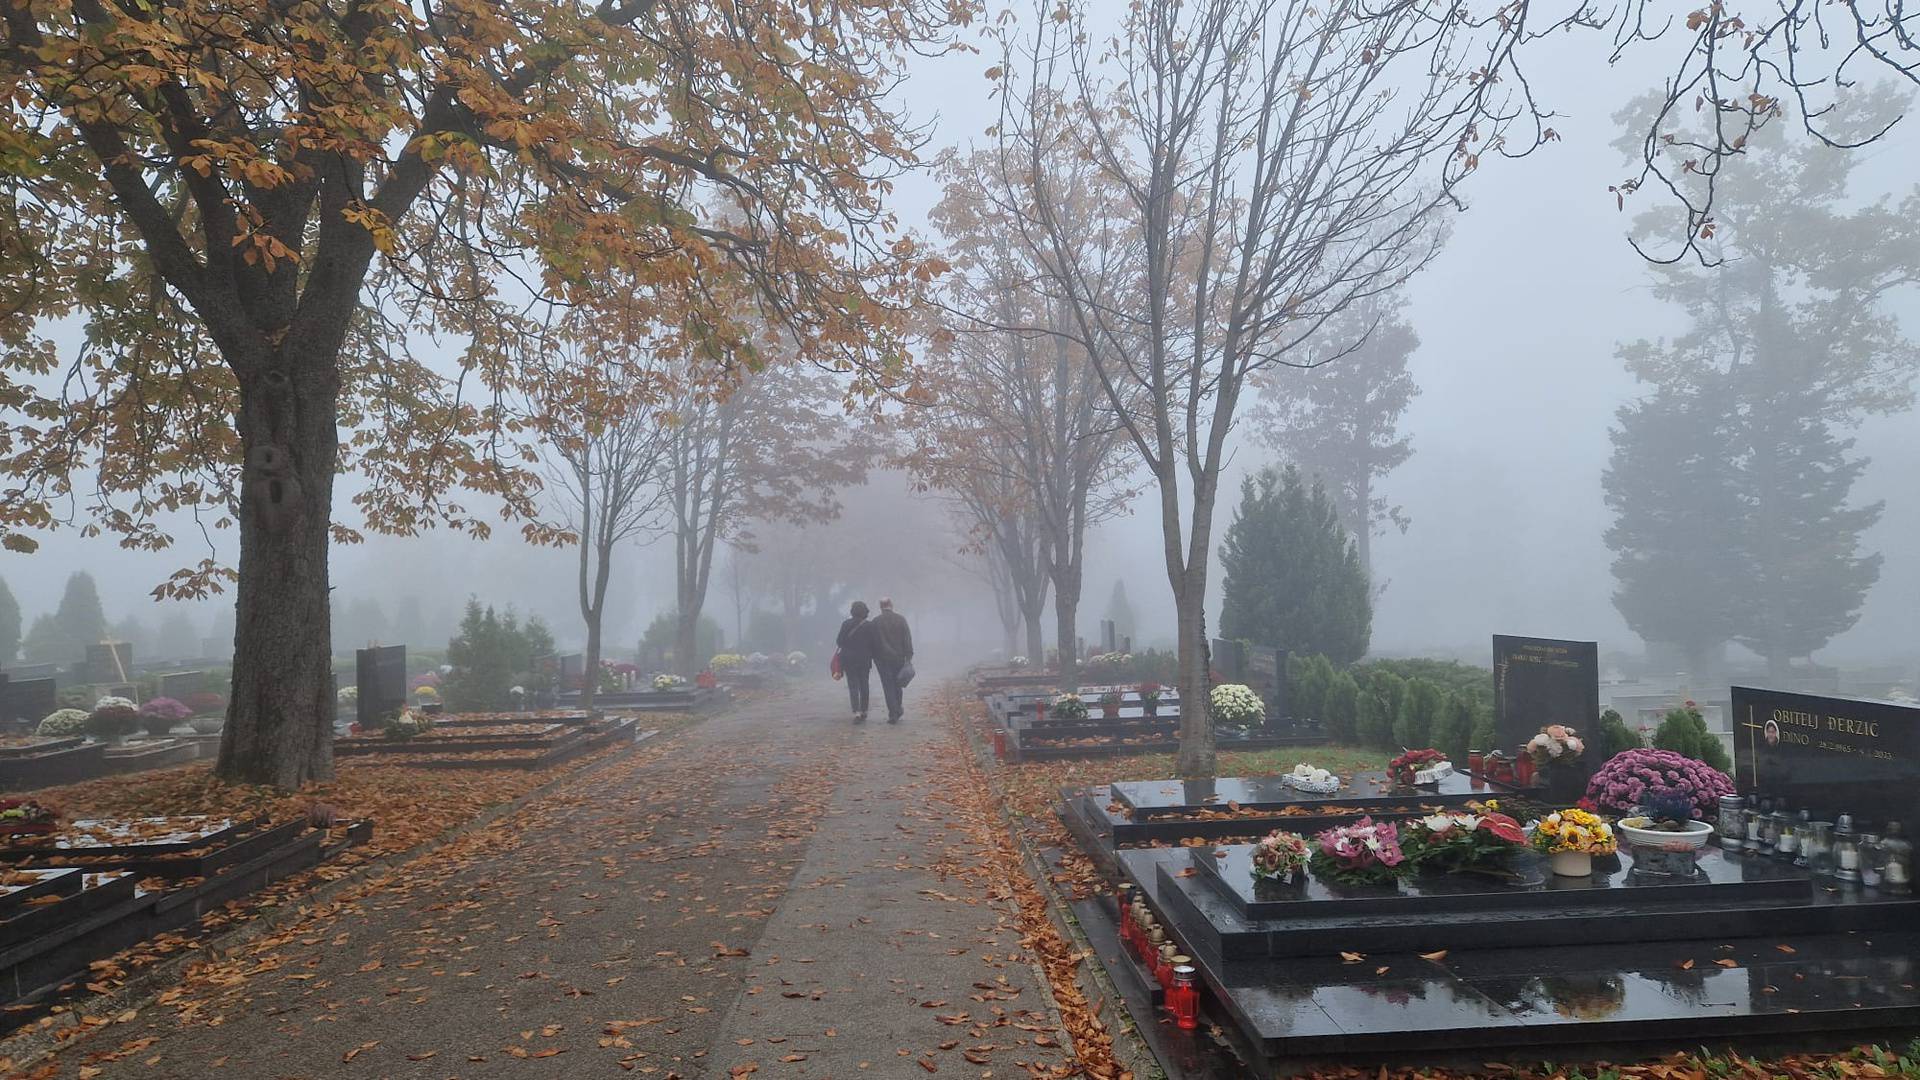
(1229, 659)
(381, 674)
(1109, 636)
(1541, 681)
(1829, 754)
(29, 700)
(1266, 672)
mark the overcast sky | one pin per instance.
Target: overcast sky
(1518, 322)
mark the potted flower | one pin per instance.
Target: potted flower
(1280, 856)
(63, 723)
(1236, 706)
(1571, 838)
(160, 714)
(1416, 767)
(1149, 698)
(1631, 777)
(1363, 853)
(1461, 842)
(1069, 707)
(1664, 835)
(113, 719)
(665, 683)
(1018, 663)
(1110, 704)
(1553, 753)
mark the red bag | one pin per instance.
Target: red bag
(833, 666)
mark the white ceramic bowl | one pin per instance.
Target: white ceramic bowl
(1693, 839)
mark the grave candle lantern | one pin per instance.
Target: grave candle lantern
(1787, 844)
(1757, 825)
(1897, 875)
(1846, 852)
(1873, 860)
(1801, 830)
(1733, 822)
(1163, 971)
(1184, 999)
(1817, 842)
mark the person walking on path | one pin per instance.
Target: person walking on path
(856, 657)
(892, 652)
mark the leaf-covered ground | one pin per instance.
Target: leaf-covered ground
(773, 892)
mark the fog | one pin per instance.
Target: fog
(1518, 321)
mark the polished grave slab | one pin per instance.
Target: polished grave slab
(1614, 977)
(1526, 883)
(1145, 799)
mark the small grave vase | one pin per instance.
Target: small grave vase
(1571, 863)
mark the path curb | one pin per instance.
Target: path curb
(1129, 1048)
(29, 1046)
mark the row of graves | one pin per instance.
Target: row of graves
(72, 893)
(1034, 722)
(1436, 915)
(28, 695)
(386, 729)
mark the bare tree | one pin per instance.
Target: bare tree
(775, 448)
(1031, 396)
(606, 488)
(1278, 162)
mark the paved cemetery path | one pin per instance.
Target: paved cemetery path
(773, 892)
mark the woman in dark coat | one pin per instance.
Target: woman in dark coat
(856, 657)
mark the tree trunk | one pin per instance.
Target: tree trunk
(590, 677)
(1036, 642)
(280, 716)
(1196, 757)
(1066, 606)
(686, 642)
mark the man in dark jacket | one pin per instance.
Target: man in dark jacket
(856, 657)
(892, 650)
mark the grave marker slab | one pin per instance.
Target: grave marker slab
(1229, 659)
(179, 684)
(381, 674)
(109, 662)
(1829, 754)
(1541, 681)
(28, 700)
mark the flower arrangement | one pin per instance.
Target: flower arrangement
(18, 814)
(425, 694)
(1149, 693)
(206, 702)
(1405, 770)
(670, 682)
(727, 661)
(758, 659)
(1110, 661)
(406, 723)
(1631, 777)
(348, 695)
(1279, 854)
(161, 713)
(1235, 705)
(1019, 662)
(1309, 778)
(1461, 841)
(428, 678)
(1110, 702)
(1363, 853)
(113, 717)
(1069, 707)
(1557, 744)
(61, 723)
(1574, 830)
(796, 658)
